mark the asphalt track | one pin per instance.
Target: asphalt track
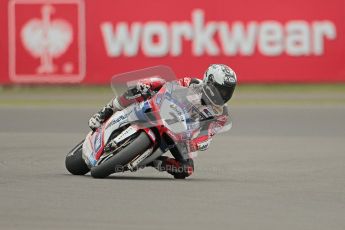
(280, 167)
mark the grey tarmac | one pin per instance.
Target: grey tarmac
(280, 167)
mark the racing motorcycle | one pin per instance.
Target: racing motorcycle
(141, 132)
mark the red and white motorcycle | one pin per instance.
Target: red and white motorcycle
(142, 132)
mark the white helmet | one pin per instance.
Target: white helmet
(219, 84)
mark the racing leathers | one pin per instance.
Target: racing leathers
(181, 165)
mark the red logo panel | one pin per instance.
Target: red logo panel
(46, 40)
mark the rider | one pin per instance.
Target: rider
(215, 90)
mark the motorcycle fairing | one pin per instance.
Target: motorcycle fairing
(94, 143)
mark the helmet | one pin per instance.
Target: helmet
(219, 84)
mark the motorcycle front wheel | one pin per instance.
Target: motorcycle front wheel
(114, 164)
(74, 161)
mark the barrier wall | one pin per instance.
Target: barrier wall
(75, 41)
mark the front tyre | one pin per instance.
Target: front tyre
(139, 145)
(74, 161)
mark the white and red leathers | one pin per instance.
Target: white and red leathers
(181, 165)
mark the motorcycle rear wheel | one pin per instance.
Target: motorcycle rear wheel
(116, 163)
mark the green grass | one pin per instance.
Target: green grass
(262, 88)
(293, 88)
(247, 95)
(54, 89)
(50, 103)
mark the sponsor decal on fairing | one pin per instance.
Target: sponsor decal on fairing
(98, 142)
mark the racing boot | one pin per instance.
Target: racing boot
(180, 170)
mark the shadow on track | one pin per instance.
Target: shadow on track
(137, 178)
(143, 178)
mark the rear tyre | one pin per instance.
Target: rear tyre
(116, 163)
(74, 161)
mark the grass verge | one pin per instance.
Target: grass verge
(96, 96)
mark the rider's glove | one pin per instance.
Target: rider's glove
(95, 122)
(144, 88)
